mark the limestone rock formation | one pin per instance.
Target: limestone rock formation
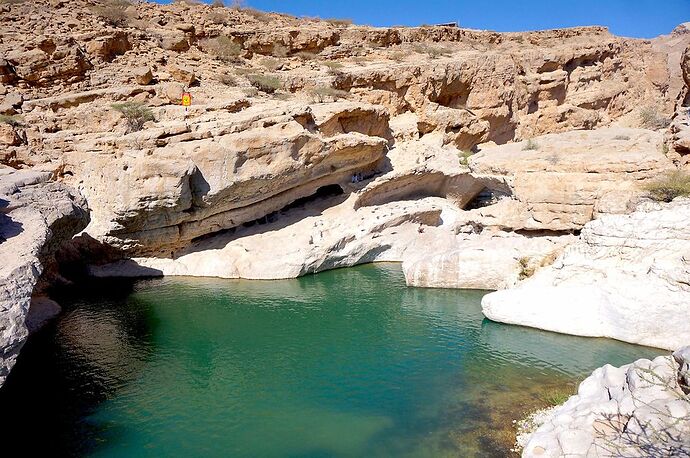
(38, 216)
(626, 278)
(640, 409)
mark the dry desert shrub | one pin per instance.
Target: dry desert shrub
(270, 63)
(324, 93)
(669, 186)
(650, 118)
(112, 12)
(531, 145)
(265, 83)
(339, 22)
(13, 121)
(279, 50)
(223, 48)
(333, 67)
(306, 55)
(431, 51)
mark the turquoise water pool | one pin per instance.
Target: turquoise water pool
(344, 363)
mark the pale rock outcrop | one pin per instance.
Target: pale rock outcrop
(626, 278)
(561, 181)
(637, 410)
(219, 176)
(38, 216)
(479, 261)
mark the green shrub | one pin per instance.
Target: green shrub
(464, 157)
(136, 114)
(651, 119)
(668, 187)
(265, 83)
(13, 121)
(333, 66)
(531, 145)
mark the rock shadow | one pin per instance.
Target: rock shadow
(8, 227)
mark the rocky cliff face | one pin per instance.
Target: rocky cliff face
(284, 107)
(36, 216)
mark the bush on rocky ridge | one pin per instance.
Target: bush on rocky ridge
(136, 114)
(265, 83)
(651, 119)
(668, 187)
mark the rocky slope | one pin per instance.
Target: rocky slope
(240, 153)
(641, 409)
(36, 216)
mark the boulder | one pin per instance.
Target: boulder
(143, 75)
(182, 74)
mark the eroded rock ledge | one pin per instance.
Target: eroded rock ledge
(36, 216)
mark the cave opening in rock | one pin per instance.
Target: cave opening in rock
(323, 192)
(485, 198)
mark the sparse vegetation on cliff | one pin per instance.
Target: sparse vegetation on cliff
(224, 48)
(136, 114)
(265, 83)
(13, 121)
(650, 118)
(668, 187)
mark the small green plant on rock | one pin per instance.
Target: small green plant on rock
(13, 121)
(668, 187)
(265, 83)
(651, 119)
(526, 268)
(531, 145)
(136, 114)
(464, 157)
(556, 397)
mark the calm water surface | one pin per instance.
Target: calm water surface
(344, 363)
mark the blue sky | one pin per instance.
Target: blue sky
(632, 18)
